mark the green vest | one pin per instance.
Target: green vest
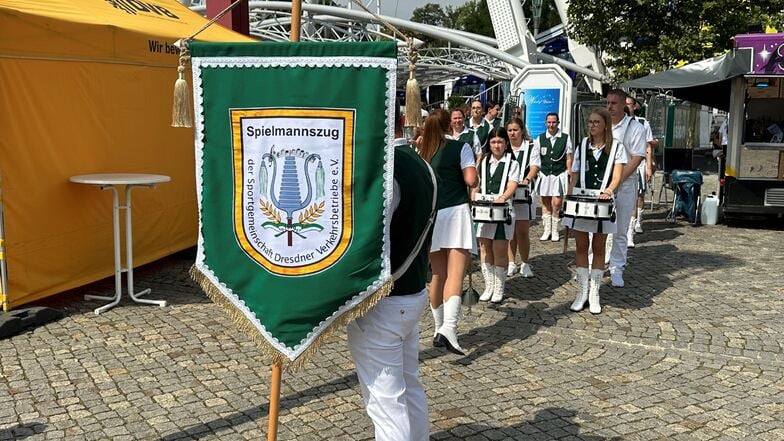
(481, 131)
(452, 190)
(468, 138)
(554, 161)
(410, 219)
(595, 168)
(493, 184)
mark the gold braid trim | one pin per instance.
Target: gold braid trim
(268, 350)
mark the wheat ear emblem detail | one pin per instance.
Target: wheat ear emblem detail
(311, 213)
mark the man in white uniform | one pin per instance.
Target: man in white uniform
(645, 170)
(632, 135)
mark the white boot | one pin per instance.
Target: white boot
(438, 317)
(547, 227)
(608, 248)
(616, 276)
(500, 282)
(526, 271)
(582, 294)
(556, 236)
(487, 272)
(630, 234)
(511, 269)
(593, 291)
(447, 333)
(638, 224)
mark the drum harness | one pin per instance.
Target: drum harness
(504, 176)
(526, 159)
(607, 170)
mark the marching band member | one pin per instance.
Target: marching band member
(597, 167)
(499, 173)
(455, 168)
(459, 132)
(631, 134)
(529, 162)
(556, 152)
(644, 171)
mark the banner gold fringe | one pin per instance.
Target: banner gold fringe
(269, 351)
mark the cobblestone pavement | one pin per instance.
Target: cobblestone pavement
(691, 349)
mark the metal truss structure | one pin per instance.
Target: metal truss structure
(464, 54)
(435, 64)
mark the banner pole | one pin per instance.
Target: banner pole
(274, 403)
(296, 19)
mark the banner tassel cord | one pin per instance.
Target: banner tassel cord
(181, 108)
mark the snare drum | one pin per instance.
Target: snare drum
(522, 195)
(491, 212)
(578, 207)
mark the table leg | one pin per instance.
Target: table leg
(136, 297)
(117, 263)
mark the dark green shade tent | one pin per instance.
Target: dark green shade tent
(704, 82)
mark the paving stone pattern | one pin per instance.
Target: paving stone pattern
(691, 349)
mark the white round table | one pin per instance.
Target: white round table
(110, 181)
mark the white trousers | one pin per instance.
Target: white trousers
(385, 347)
(625, 206)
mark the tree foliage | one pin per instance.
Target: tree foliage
(473, 16)
(643, 36)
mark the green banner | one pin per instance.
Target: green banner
(294, 181)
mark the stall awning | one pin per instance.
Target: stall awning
(705, 82)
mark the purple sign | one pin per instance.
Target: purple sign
(767, 51)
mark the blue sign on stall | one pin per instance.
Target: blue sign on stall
(538, 103)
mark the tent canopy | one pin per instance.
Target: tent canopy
(705, 82)
(87, 88)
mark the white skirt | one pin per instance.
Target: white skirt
(489, 231)
(553, 185)
(589, 225)
(453, 229)
(525, 211)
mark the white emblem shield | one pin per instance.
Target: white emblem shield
(292, 186)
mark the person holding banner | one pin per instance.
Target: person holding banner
(556, 153)
(529, 161)
(455, 168)
(385, 342)
(596, 171)
(459, 132)
(499, 173)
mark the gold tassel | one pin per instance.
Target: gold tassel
(269, 351)
(181, 109)
(413, 99)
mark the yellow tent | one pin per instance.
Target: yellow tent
(86, 87)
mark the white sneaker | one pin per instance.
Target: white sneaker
(526, 271)
(637, 227)
(616, 278)
(511, 269)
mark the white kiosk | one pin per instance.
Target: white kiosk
(544, 88)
